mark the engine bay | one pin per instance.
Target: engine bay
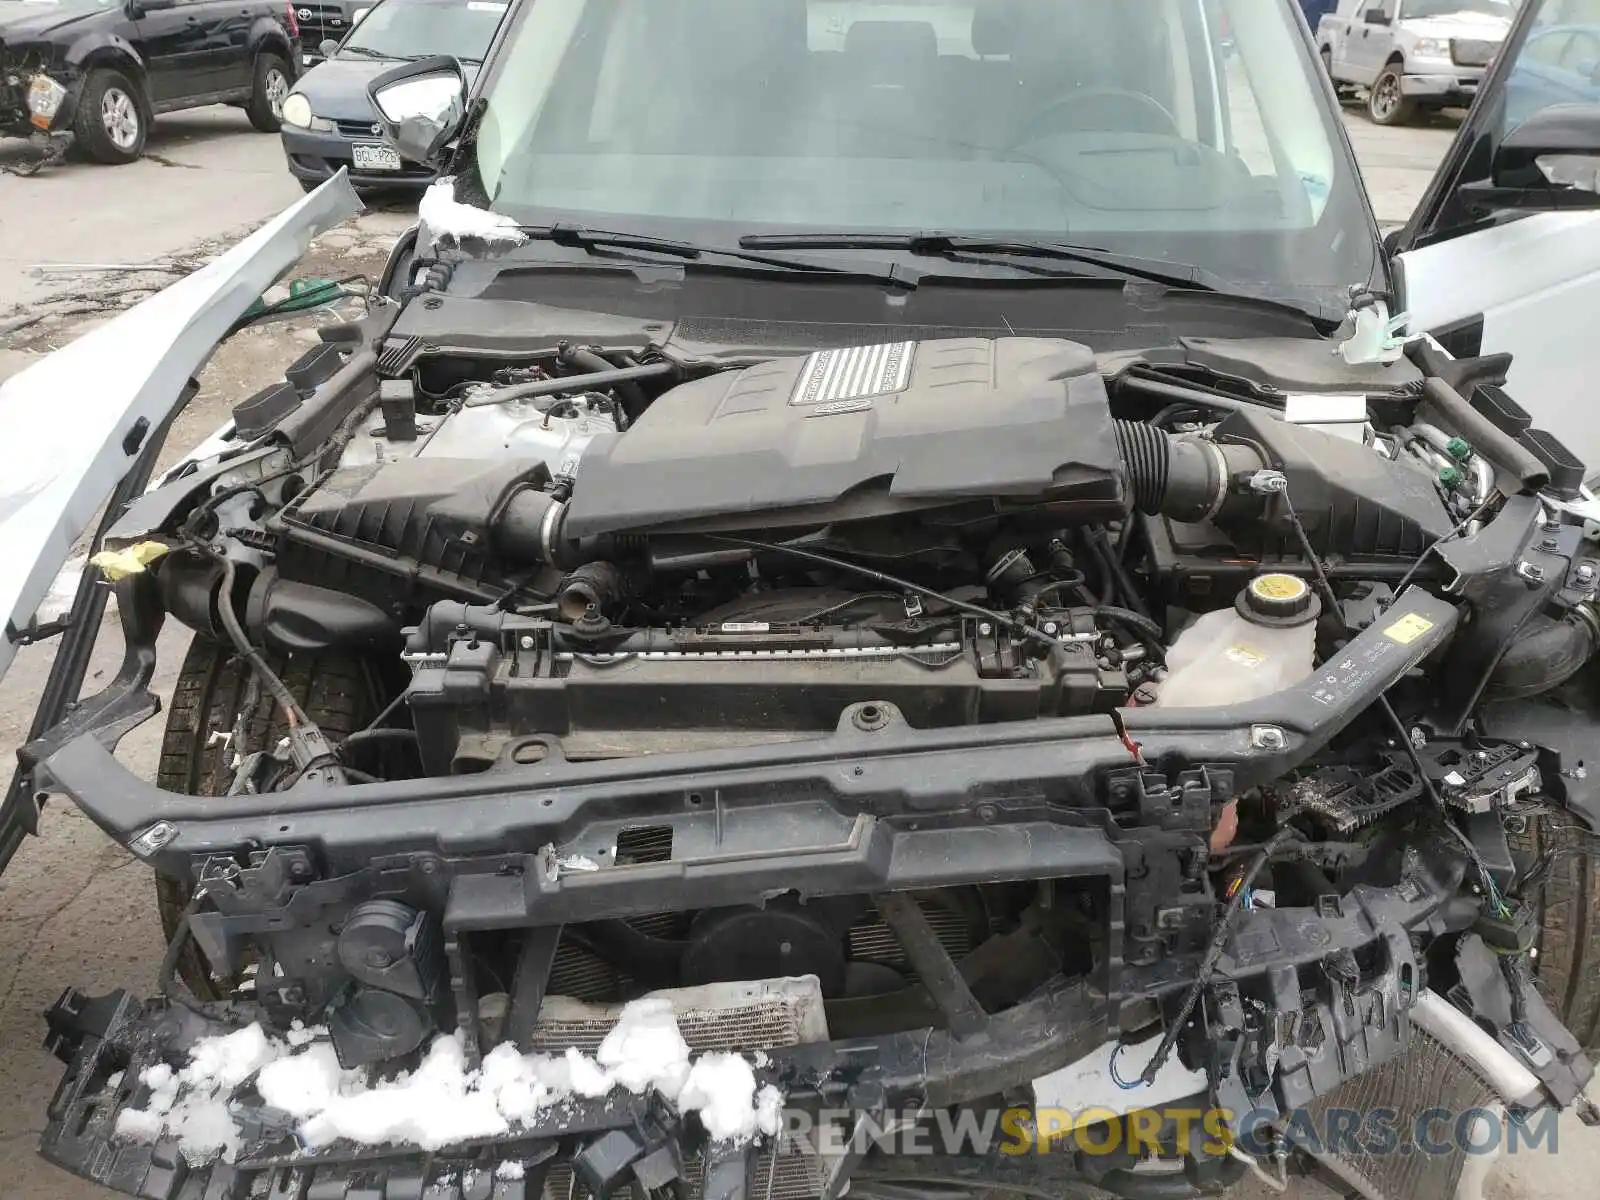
(736, 557)
(981, 682)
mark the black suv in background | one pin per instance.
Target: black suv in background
(102, 69)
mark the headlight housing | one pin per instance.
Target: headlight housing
(45, 97)
(1432, 48)
(297, 112)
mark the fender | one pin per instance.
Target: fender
(98, 49)
(267, 34)
(88, 52)
(94, 48)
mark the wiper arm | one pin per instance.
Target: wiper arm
(565, 234)
(364, 52)
(959, 248)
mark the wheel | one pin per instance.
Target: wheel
(341, 693)
(268, 89)
(112, 121)
(1387, 104)
(1568, 906)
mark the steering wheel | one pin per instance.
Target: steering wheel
(1149, 114)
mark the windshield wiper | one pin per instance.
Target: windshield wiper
(966, 248)
(584, 238)
(365, 52)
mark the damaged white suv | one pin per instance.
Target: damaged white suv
(880, 589)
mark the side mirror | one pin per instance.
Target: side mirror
(328, 47)
(421, 105)
(138, 8)
(1556, 147)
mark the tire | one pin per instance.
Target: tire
(269, 84)
(338, 692)
(1387, 104)
(1567, 903)
(113, 118)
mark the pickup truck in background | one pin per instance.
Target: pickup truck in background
(1411, 56)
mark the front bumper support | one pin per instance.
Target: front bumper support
(114, 1037)
(863, 775)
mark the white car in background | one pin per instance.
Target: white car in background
(1413, 55)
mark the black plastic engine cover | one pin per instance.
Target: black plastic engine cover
(850, 433)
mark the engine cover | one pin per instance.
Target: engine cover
(864, 431)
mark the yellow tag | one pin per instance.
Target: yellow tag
(119, 564)
(1408, 629)
(1244, 656)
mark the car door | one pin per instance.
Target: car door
(1503, 256)
(227, 24)
(173, 45)
(220, 31)
(1370, 39)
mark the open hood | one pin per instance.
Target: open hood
(79, 417)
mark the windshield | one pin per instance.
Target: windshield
(419, 28)
(1557, 62)
(1445, 8)
(1196, 131)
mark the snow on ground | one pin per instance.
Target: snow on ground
(442, 1102)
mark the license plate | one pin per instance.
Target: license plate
(375, 156)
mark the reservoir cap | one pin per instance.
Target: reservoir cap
(1278, 599)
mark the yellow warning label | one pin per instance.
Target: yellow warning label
(1408, 629)
(1278, 587)
(1244, 656)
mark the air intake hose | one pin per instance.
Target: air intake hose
(1185, 478)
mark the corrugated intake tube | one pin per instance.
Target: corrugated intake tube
(1184, 478)
(1147, 454)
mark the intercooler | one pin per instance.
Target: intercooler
(760, 1015)
(582, 974)
(1429, 1076)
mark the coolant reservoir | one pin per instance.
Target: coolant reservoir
(1261, 645)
